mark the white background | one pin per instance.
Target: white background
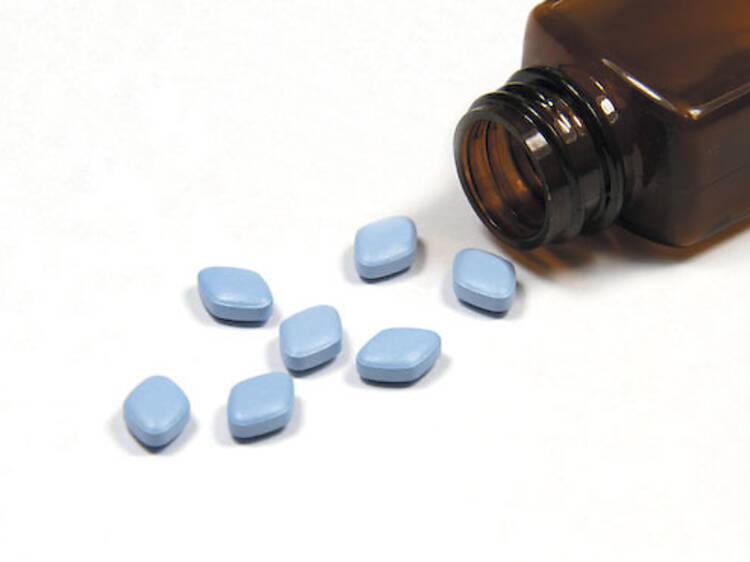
(606, 418)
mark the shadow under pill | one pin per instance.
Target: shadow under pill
(272, 321)
(274, 359)
(181, 441)
(449, 298)
(119, 429)
(195, 305)
(224, 436)
(351, 274)
(438, 370)
(300, 374)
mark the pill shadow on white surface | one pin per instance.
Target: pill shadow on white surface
(224, 437)
(351, 275)
(441, 367)
(449, 298)
(130, 444)
(195, 305)
(276, 363)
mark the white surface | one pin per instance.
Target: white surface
(606, 418)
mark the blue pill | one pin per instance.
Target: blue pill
(156, 411)
(260, 405)
(385, 247)
(230, 293)
(398, 355)
(484, 280)
(310, 338)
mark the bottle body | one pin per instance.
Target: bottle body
(645, 104)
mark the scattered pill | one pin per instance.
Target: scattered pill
(484, 280)
(310, 338)
(385, 247)
(156, 411)
(260, 405)
(398, 355)
(239, 295)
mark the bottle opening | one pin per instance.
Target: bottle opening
(538, 161)
(499, 168)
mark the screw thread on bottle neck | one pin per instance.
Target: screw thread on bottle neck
(538, 160)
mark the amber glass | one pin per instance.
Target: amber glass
(629, 110)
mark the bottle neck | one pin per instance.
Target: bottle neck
(539, 160)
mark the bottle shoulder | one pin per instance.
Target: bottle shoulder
(691, 57)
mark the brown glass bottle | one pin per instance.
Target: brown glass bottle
(629, 110)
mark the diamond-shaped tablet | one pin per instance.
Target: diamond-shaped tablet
(260, 405)
(484, 280)
(310, 338)
(156, 411)
(231, 293)
(398, 355)
(385, 247)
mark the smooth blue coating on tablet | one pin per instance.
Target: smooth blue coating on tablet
(260, 405)
(310, 338)
(230, 293)
(398, 355)
(156, 411)
(385, 247)
(484, 280)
